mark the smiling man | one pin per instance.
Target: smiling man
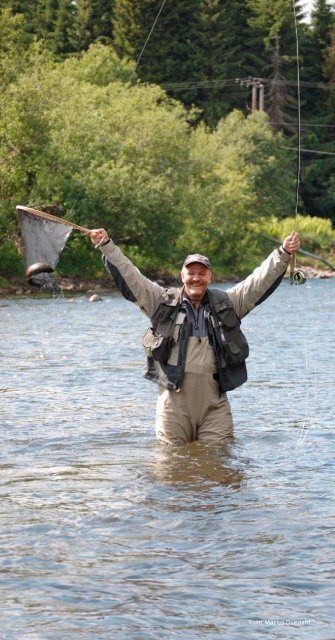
(195, 348)
(196, 275)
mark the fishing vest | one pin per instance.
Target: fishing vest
(169, 335)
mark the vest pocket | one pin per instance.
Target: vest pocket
(227, 317)
(157, 346)
(237, 349)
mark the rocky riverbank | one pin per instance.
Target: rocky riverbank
(78, 285)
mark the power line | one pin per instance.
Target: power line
(303, 83)
(306, 124)
(200, 84)
(323, 153)
(228, 82)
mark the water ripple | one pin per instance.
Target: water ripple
(105, 533)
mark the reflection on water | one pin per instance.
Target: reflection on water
(106, 533)
(197, 465)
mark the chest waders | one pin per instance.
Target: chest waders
(195, 373)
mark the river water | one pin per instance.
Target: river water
(105, 533)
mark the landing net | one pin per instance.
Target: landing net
(42, 243)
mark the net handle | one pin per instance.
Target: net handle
(49, 216)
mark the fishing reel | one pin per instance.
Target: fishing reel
(297, 277)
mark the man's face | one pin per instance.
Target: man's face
(195, 278)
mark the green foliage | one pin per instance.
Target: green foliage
(23, 137)
(109, 155)
(275, 18)
(317, 235)
(240, 173)
(11, 263)
(231, 49)
(79, 260)
(174, 52)
(318, 180)
(93, 21)
(99, 65)
(14, 47)
(319, 168)
(116, 158)
(76, 138)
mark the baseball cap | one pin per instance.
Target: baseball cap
(197, 257)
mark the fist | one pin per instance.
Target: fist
(98, 236)
(292, 242)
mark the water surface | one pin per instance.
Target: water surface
(105, 533)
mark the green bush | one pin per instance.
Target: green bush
(79, 259)
(11, 263)
(316, 234)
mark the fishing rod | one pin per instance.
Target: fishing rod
(296, 275)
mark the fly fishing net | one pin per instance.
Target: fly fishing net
(42, 240)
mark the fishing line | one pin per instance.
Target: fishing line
(311, 383)
(147, 40)
(299, 117)
(297, 276)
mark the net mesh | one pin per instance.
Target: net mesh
(42, 243)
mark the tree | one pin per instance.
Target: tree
(99, 65)
(276, 18)
(53, 23)
(330, 69)
(93, 22)
(240, 173)
(173, 53)
(278, 95)
(23, 137)
(48, 20)
(14, 47)
(317, 105)
(231, 51)
(23, 7)
(314, 51)
(61, 37)
(100, 154)
(276, 25)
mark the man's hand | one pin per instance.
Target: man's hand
(99, 237)
(291, 244)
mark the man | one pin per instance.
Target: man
(195, 348)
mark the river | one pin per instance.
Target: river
(105, 533)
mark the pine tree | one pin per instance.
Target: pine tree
(276, 18)
(53, 24)
(63, 26)
(319, 192)
(173, 54)
(233, 51)
(275, 22)
(14, 50)
(278, 96)
(93, 21)
(322, 19)
(330, 69)
(314, 54)
(24, 7)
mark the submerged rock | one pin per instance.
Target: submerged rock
(95, 298)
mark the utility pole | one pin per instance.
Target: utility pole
(261, 97)
(254, 97)
(257, 92)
